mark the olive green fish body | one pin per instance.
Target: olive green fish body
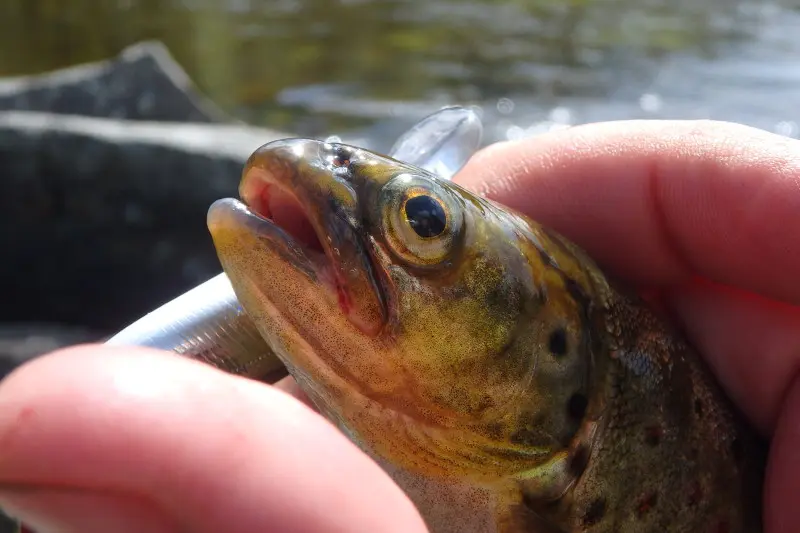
(484, 361)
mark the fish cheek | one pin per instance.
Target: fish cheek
(455, 329)
(445, 342)
(557, 394)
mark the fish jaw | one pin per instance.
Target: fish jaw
(288, 292)
(313, 176)
(311, 303)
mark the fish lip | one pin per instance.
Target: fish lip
(304, 169)
(223, 210)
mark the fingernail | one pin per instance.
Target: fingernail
(80, 511)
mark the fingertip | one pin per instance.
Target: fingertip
(189, 437)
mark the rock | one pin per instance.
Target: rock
(143, 83)
(21, 342)
(105, 219)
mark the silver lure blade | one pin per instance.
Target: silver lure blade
(205, 323)
(208, 323)
(441, 143)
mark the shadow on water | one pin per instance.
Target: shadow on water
(318, 67)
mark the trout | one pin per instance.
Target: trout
(484, 361)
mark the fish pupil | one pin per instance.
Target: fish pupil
(426, 216)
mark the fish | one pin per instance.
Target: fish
(487, 363)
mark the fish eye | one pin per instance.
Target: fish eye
(425, 215)
(422, 220)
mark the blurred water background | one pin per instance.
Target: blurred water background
(370, 68)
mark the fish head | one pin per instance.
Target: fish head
(440, 331)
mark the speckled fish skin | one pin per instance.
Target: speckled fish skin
(492, 369)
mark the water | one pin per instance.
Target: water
(370, 68)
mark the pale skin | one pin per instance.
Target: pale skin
(703, 217)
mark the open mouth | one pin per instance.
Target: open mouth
(287, 187)
(273, 203)
(280, 207)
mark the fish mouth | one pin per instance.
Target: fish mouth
(297, 202)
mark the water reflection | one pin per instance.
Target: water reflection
(319, 67)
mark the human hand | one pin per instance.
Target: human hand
(99, 439)
(704, 218)
(698, 215)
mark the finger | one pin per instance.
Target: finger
(781, 513)
(290, 386)
(212, 451)
(752, 343)
(654, 201)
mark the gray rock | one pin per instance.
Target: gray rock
(143, 83)
(22, 342)
(104, 220)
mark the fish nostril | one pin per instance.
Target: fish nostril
(338, 156)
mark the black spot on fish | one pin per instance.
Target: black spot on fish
(576, 405)
(558, 342)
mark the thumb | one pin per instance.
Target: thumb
(121, 439)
